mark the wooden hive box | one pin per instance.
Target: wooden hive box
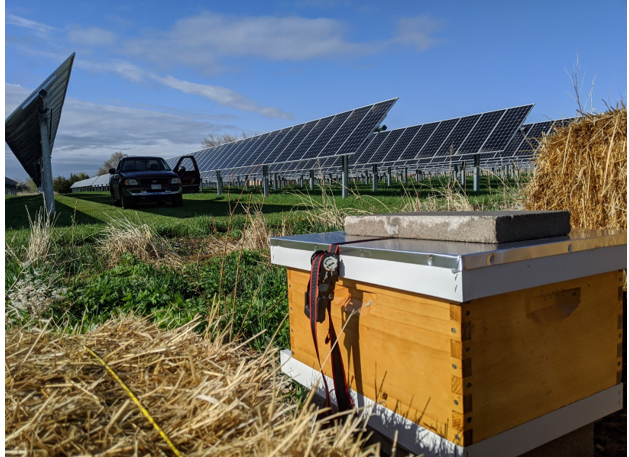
(468, 348)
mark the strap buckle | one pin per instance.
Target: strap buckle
(326, 279)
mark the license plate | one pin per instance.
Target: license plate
(156, 186)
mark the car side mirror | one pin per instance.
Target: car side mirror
(181, 169)
(112, 171)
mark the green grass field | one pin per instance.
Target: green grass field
(72, 278)
(201, 213)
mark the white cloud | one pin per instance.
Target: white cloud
(89, 133)
(123, 68)
(201, 41)
(90, 36)
(417, 31)
(223, 96)
(218, 94)
(41, 30)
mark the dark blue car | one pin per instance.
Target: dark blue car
(144, 179)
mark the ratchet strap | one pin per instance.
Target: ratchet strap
(318, 299)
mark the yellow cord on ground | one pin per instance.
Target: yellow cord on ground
(137, 402)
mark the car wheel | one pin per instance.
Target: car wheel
(178, 200)
(124, 201)
(114, 200)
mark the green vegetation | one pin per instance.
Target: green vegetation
(93, 260)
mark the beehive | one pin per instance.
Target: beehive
(468, 348)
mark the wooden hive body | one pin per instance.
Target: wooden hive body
(469, 371)
(468, 349)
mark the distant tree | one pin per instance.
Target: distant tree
(216, 140)
(27, 186)
(30, 185)
(61, 185)
(78, 177)
(112, 162)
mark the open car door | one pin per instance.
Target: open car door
(189, 175)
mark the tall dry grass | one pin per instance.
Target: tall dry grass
(256, 233)
(454, 197)
(122, 236)
(209, 396)
(41, 240)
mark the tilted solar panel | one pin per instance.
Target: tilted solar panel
(405, 139)
(21, 127)
(484, 132)
(418, 142)
(506, 128)
(341, 134)
(459, 134)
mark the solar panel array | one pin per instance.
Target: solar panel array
(495, 137)
(437, 142)
(297, 147)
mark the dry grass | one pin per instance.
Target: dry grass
(211, 398)
(256, 234)
(582, 168)
(327, 212)
(453, 197)
(124, 236)
(41, 239)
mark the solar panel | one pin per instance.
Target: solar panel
(263, 157)
(22, 130)
(482, 129)
(418, 142)
(526, 140)
(458, 135)
(341, 134)
(472, 134)
(438, 138)
(403, 142)
(312, 136)
(386, 146)
(370, 148)
(282, 151)
(346, 130)
(506, 128)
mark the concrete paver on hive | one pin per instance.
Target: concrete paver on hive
(477, 226)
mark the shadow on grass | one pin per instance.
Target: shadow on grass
(99, 205)
(18, 209)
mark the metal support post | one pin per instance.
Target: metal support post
(345, 177)
(462, 175)
(476, 173)
(405, 175)
(265, 180)
(219, 183)
(247, 183)
(374, 185)
(312, 179)
(389, 176)
(46, 162)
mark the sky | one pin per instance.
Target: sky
(157, 77)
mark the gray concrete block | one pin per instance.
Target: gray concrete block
(469, 226)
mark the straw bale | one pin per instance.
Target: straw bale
(211, 398)
(582, 168)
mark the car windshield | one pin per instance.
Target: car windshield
(145, 164)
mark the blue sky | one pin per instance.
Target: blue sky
(156, 77)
